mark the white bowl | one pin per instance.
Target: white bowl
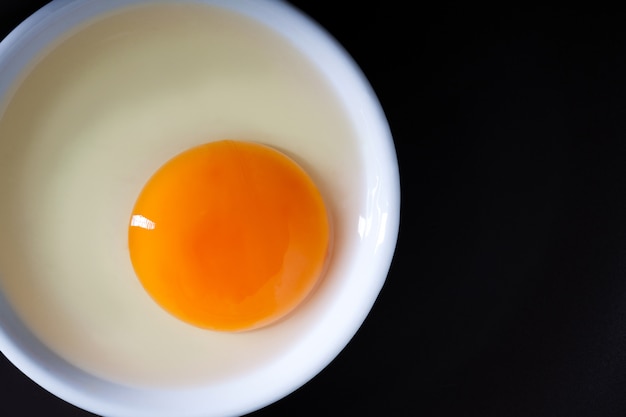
(316, 332)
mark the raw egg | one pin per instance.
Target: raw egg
(229, 235)
(127, 115)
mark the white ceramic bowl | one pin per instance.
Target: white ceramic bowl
(332, 315)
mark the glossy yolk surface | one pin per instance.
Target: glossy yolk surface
(229, 235)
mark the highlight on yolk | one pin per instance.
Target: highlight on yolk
(229, 235)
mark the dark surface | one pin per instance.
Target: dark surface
(507, 295)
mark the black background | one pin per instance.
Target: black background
(507, 294)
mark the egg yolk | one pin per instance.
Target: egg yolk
(229, 236)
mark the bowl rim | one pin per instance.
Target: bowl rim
(77, 387)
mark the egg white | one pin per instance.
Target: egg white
(89, 124)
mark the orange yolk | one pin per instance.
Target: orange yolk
(229, 236)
